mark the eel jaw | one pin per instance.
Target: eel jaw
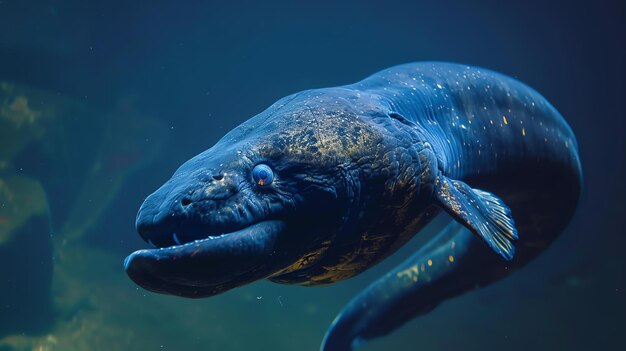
(211, 266)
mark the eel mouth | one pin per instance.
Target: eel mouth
(213, 265)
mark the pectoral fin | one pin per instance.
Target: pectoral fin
(483, 213)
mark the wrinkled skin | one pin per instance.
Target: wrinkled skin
(309, 225)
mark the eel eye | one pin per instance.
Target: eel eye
(262, 174)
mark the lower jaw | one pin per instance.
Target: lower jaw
(211, 266)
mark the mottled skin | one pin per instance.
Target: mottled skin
(357, 172)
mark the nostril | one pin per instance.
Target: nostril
(185, 201)
(218, 177)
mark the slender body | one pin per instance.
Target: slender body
(328, 182)
(496, 134)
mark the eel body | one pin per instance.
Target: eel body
(327, 182)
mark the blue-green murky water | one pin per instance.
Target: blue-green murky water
(100, 102)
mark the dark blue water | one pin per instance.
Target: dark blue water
(100, 102)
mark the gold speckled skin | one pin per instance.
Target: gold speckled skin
(382, 173)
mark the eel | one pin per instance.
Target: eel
(328, 182)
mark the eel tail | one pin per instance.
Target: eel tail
(453, 262)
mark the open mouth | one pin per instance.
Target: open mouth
(167, 231)
(209, 266)
(180, 238)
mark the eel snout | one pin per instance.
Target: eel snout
(207, 238)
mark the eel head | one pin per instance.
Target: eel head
(265, 200)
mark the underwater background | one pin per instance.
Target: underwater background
(100, 102)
